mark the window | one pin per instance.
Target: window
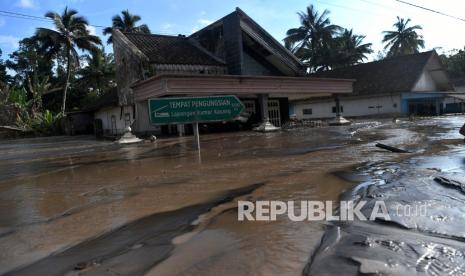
(341, 107)
(249, 106)
(307, 111)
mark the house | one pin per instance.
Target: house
(232, 56)
(411, 84)
(455, 102)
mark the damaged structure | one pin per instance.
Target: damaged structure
(400, 86)
(232, 56)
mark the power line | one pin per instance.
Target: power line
(23, 17)
(347, 8)
(387, 7)
(33, 17)
(430, 10)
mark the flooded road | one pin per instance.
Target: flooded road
(162, 209)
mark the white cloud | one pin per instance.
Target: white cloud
(9, 41)
(27, 4)
(204, 22)
(91, 30)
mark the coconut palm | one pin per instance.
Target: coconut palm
(349, 49)
(403, 40)
(70, 33)
(313, 36)
(126, 23)
(99, 71)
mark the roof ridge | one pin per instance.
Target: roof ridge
(386, 59)
(156, 35)
(275, 41)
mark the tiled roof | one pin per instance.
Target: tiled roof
(164, 49)
(397, 74)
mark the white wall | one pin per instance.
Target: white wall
(352, 107)
(105, 115)
(425, 83)
(142, 123)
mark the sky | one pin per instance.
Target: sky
(365, 17)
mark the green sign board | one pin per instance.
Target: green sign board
(194, 109)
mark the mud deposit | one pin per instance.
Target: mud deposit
(131, 249)
(427, 238)
(76, 206)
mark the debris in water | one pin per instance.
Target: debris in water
(393, 149)
(462, 130)
(450, 182)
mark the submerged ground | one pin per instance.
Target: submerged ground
(76, 206)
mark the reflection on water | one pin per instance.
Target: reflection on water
(59, 191)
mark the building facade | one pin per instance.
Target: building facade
(412, 84)
(232, 56)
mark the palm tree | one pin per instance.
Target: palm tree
(312, 37)
(70, 33)
(126, 23)
(350, 49)
(404, 40)
(99, 72)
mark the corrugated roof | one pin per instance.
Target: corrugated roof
(397, 74)
(164, 49)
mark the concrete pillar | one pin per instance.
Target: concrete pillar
(263, 103)
(180, 129)
(339, 120)
(265, 125)
(438, 108)
(338, 106)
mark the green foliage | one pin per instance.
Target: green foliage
(125, 23)
(44, 123)
(4, 77)
(98, 75)
(455, 63)
(71, 33)
(37, 89)
(29, 61)
(90, 97)
(29, 112)
(322, 45)
(403, 40)
(13, 96)
(349, 49)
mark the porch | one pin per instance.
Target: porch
(266, 98)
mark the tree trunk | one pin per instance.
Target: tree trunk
(68, 74)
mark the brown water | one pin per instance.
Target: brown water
(58, 192)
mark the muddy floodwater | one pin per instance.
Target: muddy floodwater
(73, 205)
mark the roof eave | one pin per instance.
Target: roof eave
(160, 76)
